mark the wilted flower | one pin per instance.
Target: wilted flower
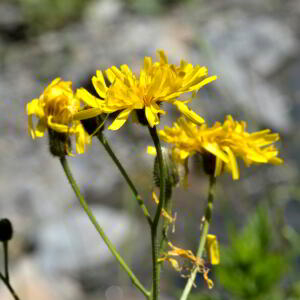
(224, 141)
(188, 255)
(55, 109)
(158, 82)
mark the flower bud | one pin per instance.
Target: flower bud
(6, 230)
(59, 143)
(172, 172)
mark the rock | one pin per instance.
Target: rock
(246, 50)
(69, 243)
(30, 282)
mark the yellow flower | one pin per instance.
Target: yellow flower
(225, 141)
(55, 109)
(158, 82)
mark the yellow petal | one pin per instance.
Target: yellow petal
(154, 197)
(143, 78)
(117, 73)
(233, 163)
(163, 57)
(82, 139)
(203, 82)
(256, 157)
(188, 113)
(215, 150)
(30, 127)
(151, 117)
(99, 84)
(110, 75)
(218, 167)
(151, 150)
(120, 119)
(40, 129)
(35, 108)
(87, 114)
(88, 98)
(174, 264)
(212, 249)
(184, 154)
(57, 127)
(276, 161)
(125, 69)
(147, 64)
(31, 106)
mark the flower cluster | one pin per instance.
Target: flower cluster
(65, 114)
(121, 91)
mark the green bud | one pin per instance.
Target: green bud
(59, 143)
(173, 177)
(6, 230)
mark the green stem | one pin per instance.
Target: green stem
(92, 218)
(139, 199)
(155, 224)
(166, 224)
(207, 220)
(9, 287)
(5, 249)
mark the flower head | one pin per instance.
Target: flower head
(225, 141)
(55, 109)
(158, 82)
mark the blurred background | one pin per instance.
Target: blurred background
(253, 47)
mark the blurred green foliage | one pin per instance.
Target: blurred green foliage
(42, 15)
(252, 266)
(153, 6)
(256, 264)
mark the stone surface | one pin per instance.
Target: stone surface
(69, 243)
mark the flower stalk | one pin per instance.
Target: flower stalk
(6, 234)
(155, 224)
(5, 250)
(8, 285)
(206, 224)
(99, 229)
(68, 115)
(137, 196)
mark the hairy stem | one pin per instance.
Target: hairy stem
(155, 224)
(207, 220)
(138, 198)
(9, 287)
(5, 250)
(92, 218)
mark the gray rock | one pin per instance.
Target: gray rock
(246, 50)
(69, 243)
